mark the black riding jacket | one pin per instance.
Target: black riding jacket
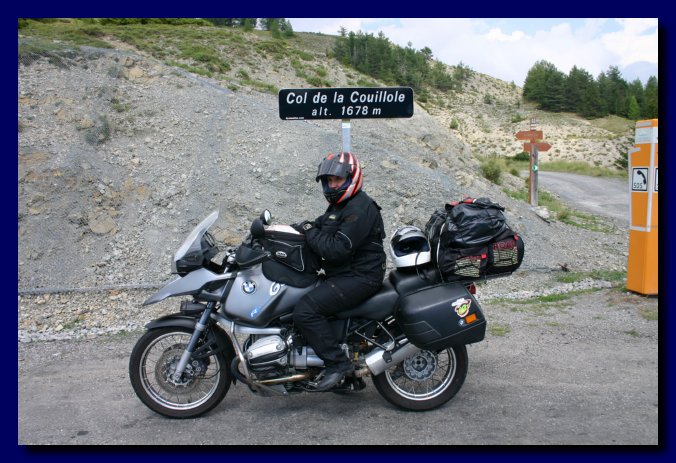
(349, 238)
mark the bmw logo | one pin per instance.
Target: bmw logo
(249, 287)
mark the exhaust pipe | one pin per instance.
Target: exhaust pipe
(377, 361)
(288, 379)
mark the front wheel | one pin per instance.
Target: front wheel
(425, 380)
(152, 364)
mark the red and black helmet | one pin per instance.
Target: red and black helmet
(340, 165)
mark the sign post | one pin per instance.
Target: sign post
(533, 146)
(345, 104)
(642, 262)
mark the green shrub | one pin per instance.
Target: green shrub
(100, 132)
(492, 170)
(454, 124)
(522, 156)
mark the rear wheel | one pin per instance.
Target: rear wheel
(152, 364)
(425, 380)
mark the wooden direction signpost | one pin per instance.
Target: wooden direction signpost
(533, 146)
(541, 146)
(529, 135)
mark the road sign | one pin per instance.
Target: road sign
(541, 146)
(345, 103)
(639, 179)
(531, 135)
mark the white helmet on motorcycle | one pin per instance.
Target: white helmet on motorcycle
(409, 247)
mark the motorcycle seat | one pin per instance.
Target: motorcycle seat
(406, 282)
(377, 307)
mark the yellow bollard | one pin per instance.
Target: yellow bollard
(643, 226)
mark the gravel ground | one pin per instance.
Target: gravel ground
(579, 370)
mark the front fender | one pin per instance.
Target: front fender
(184, 321)
(176, 319)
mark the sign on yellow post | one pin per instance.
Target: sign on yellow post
(643, 227)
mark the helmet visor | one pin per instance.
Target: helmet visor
(333, 167)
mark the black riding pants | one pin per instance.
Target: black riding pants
(311, 314)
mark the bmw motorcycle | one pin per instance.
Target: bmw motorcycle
(235, 324)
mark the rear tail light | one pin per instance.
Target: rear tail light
(471, 288)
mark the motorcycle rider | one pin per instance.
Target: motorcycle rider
(349, 239)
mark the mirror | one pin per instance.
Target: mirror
(266, 217)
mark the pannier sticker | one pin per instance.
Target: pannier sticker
(281, 254)
(461, 306)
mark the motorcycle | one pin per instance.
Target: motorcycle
(237, 325)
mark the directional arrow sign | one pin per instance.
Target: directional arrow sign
(540, 146)
(529, 135)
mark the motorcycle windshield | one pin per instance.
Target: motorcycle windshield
(192, 242)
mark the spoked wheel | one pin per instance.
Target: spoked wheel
(425, 380)
(152, 365)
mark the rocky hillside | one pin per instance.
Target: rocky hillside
(120, 154)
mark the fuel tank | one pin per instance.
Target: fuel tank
(255, 300)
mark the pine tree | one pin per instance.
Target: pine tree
(650, 109)
(634, 111)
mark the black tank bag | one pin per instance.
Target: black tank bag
(291, 250)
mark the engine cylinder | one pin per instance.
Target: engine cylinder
(270, 351)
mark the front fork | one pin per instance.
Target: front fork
(199, 330)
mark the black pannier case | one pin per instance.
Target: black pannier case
(441, 316)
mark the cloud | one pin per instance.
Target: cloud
(496, 34)
(636, 41)
(508, 48)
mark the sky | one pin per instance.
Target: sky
(507, 48)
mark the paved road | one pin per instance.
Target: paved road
(597, 195)
(580, 371)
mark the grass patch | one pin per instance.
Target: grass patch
(612, 276)
(521, 162)
(633, 333)
(581, 168)
(649, 314)
(119, 106)
(498, 329)
(276, 49)
(562, 212)
(305, 56)
(614, 124)
(58, 54)
(586, 221)
(72, 33)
